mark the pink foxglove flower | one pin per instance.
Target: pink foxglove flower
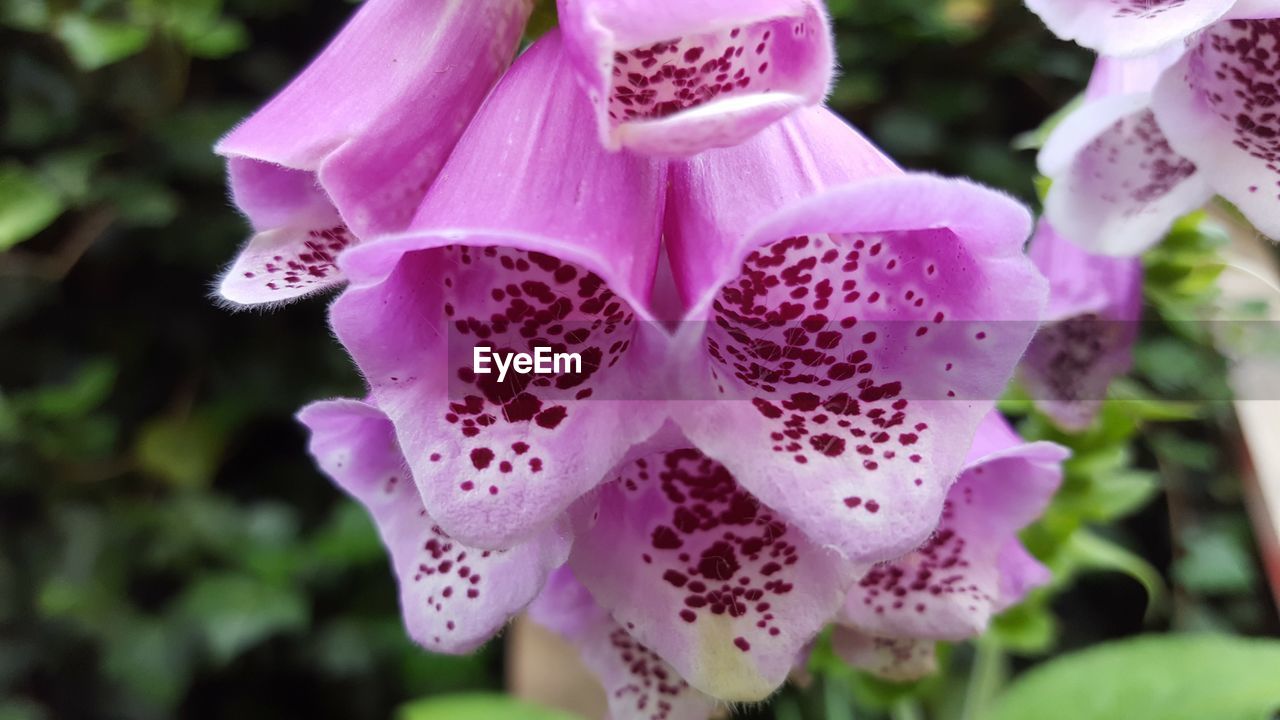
(1218, 107)
(533, 235)
(638, 683)
(347, 150)
(452, 597)
(850, 325)
(1160, 135)
(675, 77)
(972, 566)
(722, 587)
(1118, 185)
(1129, 27)
(1095, 303)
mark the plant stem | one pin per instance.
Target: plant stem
(984, 679)
(907, 709)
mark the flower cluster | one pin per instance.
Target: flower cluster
(1182, 106)
(790, 346)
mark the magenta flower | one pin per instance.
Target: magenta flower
(723, 588)
(1095, 303)
(972, 567)
(1118, 185)
(522, 242)
(638, 683)
(1158, 136)
(1217, 106)
(452, 597)
(1131, 27)
(347, 150)
(675, 77)
(849, 326)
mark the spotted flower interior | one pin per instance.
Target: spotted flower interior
(453, 597)
(683, 73)
(811, 328)
(1218, 107)
(676, 78)
(496, 456)
(1122, 189)
(732, 591)
(852, 350)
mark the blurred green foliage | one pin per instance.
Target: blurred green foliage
(167, 548)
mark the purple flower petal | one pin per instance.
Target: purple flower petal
(1118, 185)
(972, 566)
(453, 597)
(896, 659)
(360, 133)
(853, 325)
(639, 684)
(532, 236)
(701, 572)
(1095, 303)
(1127, 27)
(674, 77)
(1218, 107)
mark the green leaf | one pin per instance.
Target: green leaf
(1186, 677)
(94, 43)
(148, 656)
(1029, 627)
(21, 709)
(1087, 551)
(75, 399)
(236, 612)
(141, 201)
(476, 707)
(544, 20)
(1218, 560)
(219, 40)
(182, 453)
(27, 205)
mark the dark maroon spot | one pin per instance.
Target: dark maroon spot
(481, 457)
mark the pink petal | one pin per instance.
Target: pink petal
(453, 597)
(522, 242)
(639, 684)
(674, 78)
(1095, 303)
(1127, 27)
(701, 572)
(950, 586)
(1217, 107)
(1117, 186)
(854, 325)
(366, 126)
(895, 659)
(287, 263)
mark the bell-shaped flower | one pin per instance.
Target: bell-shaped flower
(721, 586)
(674, 77)
(972, 566)
(1129, 27)
(849, 326)
(453, 597)
(1118, 184)
(639, 684)
(532, 236)
(1091, 323)
(1219, 106)
(348, 148)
